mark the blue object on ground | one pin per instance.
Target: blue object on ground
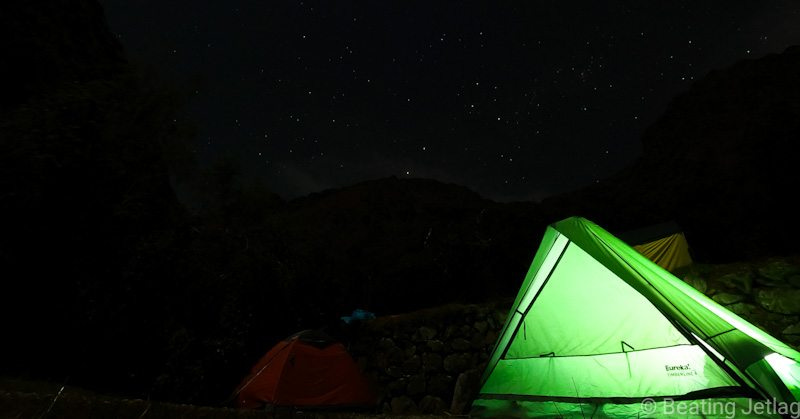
(358, 314)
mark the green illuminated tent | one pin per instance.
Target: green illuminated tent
(597, 329)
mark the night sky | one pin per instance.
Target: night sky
(516, 102)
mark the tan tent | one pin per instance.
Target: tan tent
(665, 244)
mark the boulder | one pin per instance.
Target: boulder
(412, 365)
(424, 333)
(779, 300)
(431, 405)
(741, 280)
(745, 310)
(777, 271)
(792, 330)
(403, 405)
(441, 385)
(460, 344)
(725, 298)
(696, 282)
(416, 385)
(435, 345)
(467, 387)
(431, 362)
(455, 363)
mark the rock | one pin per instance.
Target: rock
(779, 300)
(741, 280)
(500, 317)
(394, 371)
(696, 282)
(481, 366)
(794, 281)
(457, 362)
(424, 334)
(386, 343)
(743, 309)
(411, 350)
(386, 408)
(467, 387)
(431, 362)
(451, 331)
(397, 387)
(477, 341)
(725, 298)
(792, 330)
(431, 405)
(399, 336)
(767, 282)
(416, 385)
(793, 340)
(441, 385)
(435, 345)
(490, 339)
(777, 271)
(492, 322)
(481, 326)
(403, 405)
(412, 365)
(389, 357)
(774, 323)
(459, 344)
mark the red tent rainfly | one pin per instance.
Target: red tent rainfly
(308, 369)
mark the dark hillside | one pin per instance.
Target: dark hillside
(393, 245)
(721, 162)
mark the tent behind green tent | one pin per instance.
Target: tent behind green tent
(309, 370)
(664, 243)
(598, 330)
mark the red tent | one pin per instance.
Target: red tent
(307, 369)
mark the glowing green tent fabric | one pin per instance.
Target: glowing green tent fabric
(598, 327)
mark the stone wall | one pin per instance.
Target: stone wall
(764, 292)
(420, 360)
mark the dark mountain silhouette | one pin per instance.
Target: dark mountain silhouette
(410, 243)
(721, 161)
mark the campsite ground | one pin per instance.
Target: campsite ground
(21, 399)
(763, 291)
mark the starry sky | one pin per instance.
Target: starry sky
(515, 100)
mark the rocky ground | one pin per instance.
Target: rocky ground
(33, 399)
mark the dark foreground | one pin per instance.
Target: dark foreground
(23, 399)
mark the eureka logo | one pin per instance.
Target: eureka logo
(681, 370)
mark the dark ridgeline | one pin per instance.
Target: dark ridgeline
(115, 283)
(721, 161)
